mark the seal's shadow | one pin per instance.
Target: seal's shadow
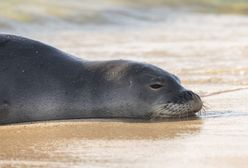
(161, 120)
(129, 129)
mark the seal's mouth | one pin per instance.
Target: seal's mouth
(185, 104)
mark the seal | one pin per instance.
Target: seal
(39, 82)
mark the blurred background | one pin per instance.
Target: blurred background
(64, 14)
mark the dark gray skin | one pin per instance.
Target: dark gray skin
(39, 82)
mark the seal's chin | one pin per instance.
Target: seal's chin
(177, 110)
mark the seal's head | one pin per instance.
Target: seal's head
(163, 92)
(144, 90)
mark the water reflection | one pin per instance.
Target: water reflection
(102, 129)
(222, 114)
(44, 143)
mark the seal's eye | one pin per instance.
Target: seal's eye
(155, 86)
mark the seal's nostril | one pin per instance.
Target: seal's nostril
(186, 94)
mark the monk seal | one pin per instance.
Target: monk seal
(39, 82)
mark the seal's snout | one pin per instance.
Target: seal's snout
(189, 96)
(185, 96)
(185, 103)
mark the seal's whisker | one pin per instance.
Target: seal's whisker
(172, 110)
(204, 109)
(205, 105)
(156, 111)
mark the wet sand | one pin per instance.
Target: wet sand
(208, 52)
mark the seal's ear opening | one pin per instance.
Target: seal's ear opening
(156, 86)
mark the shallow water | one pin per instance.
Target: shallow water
(209, 54)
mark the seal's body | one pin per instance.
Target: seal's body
(39, 82)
